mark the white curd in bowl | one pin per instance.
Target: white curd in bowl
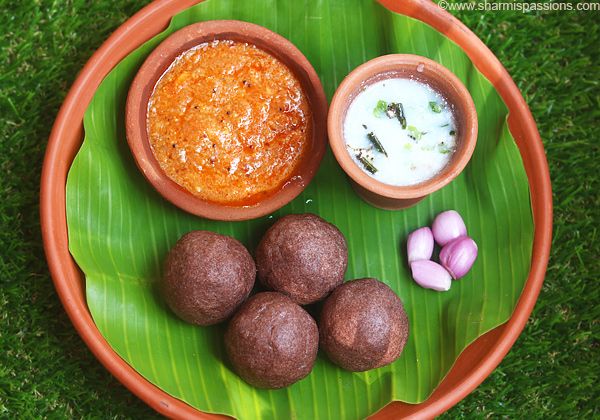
(400, 131)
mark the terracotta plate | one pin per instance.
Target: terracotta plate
(474, 364)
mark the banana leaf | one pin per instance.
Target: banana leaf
(120, 229)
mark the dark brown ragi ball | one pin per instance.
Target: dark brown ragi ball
(302, 256)
(271, 341)
(206, 277)
(363, 325)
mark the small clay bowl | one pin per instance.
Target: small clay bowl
(158, 62)
(419, 68)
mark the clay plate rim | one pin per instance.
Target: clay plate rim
(434, 73)
(157, 63)
(476, 362)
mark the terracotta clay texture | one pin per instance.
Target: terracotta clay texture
(206, 277)
(162, 57)
(474, 364)
(271, 341)
(302, 256)
(424, 70)
(363, 325)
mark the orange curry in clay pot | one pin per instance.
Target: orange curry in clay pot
(229, 122)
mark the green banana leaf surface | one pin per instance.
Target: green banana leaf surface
(120, 229)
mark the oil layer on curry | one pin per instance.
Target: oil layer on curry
(229, 122)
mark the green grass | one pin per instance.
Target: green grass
(553, 369)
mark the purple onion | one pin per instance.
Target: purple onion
(458, 256)
(419, 245)
(430, 275)
(447, 226)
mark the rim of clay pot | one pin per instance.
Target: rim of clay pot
(422, 69)
(159, 61)
(474, 364)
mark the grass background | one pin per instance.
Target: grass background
(553, 369)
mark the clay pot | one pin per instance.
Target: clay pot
(422, 69)
(159, 61)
